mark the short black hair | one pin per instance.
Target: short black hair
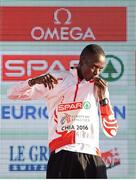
(91, 50)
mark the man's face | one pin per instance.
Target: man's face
(91, 68)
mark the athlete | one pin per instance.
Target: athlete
(73, 99)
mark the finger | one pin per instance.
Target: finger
(100, 81)
(38, 80)
(100, 86)
(44, 82)
(53, 78)
(100, 90)
(49, 81)
(104, 82)
(48, 84)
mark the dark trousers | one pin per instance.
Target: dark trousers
(67, 164)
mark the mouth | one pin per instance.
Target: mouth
(93, 77)
(96, 77)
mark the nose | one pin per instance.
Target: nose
(96, 72)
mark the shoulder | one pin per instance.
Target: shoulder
(61, 74)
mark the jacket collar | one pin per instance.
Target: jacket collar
(73, 71)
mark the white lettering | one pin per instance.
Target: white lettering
(70, 106)
(89, 34)
(56, 65)
(40, 31)
(51, 35)
(37, 65)
(27, 68)
(63, 33)
(14, 65)
(78, 34)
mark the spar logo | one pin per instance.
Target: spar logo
(87, 105)
(114, 68)
(70, 106)
(61, 28)
(22, 67)
(74, 106)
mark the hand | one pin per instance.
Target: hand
(48, 80)
(101, 87)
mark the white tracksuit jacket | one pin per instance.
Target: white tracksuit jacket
(73, 112)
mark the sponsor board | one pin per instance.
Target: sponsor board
(29, 118)
(29, 158)
(22, 67)
(120, 109)
(115, 155)
(63, 24)
(111, 158)
(25, 160)
(24, 112)
(24, 117)
(135, 68)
